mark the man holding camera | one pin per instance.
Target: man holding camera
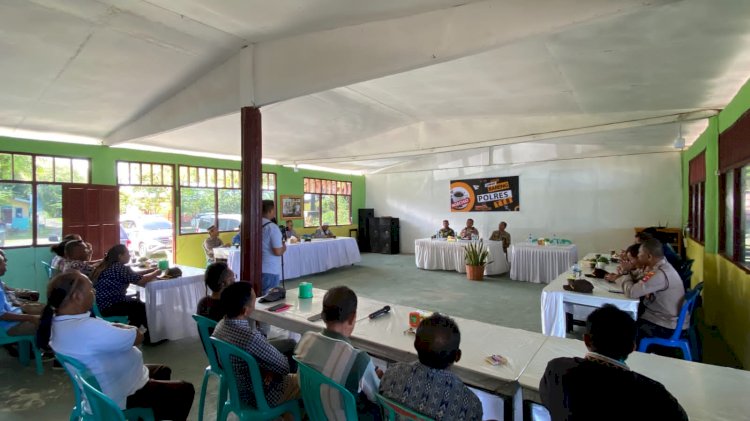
(273, 247)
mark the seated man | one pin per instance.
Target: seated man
(323, 232)
(331, 353)
(446, 231)
(237, 239)
(662, 291)
(290, 232)
(501, 235)
(629, 266)
(279, 385)
(58, 260)
(109, 351)
(469, 230)
(15, 319)
(76, 257)
(584, 388)
(428, 386)
(210, 243)
(673, 258)
(218, 276)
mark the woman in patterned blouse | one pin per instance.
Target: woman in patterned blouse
(111, 280)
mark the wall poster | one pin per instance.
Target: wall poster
(494, 194)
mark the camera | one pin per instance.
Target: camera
(283, 231)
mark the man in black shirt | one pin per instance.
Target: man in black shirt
(600, 386)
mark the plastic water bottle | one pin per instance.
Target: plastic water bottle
(531, 240)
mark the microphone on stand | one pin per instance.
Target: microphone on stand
(382, 311)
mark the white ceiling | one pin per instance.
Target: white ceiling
(98, 64)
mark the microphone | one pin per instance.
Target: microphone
(382, 311)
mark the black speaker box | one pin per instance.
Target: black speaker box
(363, 229)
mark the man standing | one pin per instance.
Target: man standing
(446, 231)
(662, 291)
(323, 232)
(210, 243)
(502, 235)
(582, 388)
(469, 231)
(331, 353)
(273, 247)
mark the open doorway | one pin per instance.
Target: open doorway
(147, 209)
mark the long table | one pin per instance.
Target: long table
(384, 337)
(556, 301)
(171, 303)
(437, 254)
(706, 392)
(540, 264)
(306, 258)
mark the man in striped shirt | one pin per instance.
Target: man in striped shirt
(330, 353)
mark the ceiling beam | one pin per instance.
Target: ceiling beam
(532, 137)
(287, 68)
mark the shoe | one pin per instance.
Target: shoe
(12, 350)
(57, 366)
(48, 356)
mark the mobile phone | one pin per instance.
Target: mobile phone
(315, 317)
(278, 307)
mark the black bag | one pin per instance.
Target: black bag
(274, 294)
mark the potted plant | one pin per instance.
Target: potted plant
(477, 257)
(601, 262)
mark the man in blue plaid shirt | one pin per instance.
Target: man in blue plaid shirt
(235, 328)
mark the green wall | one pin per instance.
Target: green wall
(25, 269)
(726, 289)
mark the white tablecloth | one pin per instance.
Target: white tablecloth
(303, 259)
(171, 303)
(449, 255)
(706, 392)
(556, 301)
(540, 264)
(384, 337)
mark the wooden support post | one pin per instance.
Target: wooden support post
(251, 235)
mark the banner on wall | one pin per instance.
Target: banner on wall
(495, 194)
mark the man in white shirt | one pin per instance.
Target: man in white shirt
(323, 232)
(273, 247)
(108, 350)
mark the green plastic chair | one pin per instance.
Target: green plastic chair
(78, 373)
(205, 325)
(391, 409)
(105, 409)
(228, 353)
(112, 319)
(50, 270)
(26, 347)
(311, 381)
(564, 241)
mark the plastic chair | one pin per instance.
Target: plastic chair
(26, 346)
(50, 270)
(76, 371)
(112, 319)
(676, 340)
(311, 381)
(105, 409)
(227, 353)
(392, 409)
(563, 241)
(204, 326)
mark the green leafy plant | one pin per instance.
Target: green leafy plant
(477, 254)
(603, 260)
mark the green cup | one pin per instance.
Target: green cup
(305, 290)
(163, 265)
